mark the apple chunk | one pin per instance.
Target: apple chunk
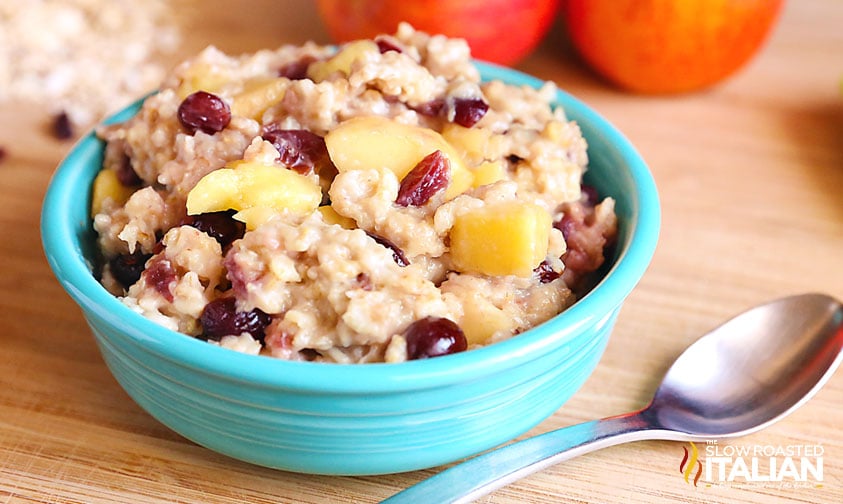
(489, 172)
(108, 186)
(244, 185)
(379, 142)
(342, 61)
(331, 216)
(200, 77)
(258, 94)
(506, 238)
(481, 320)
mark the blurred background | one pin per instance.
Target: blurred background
(84, 58)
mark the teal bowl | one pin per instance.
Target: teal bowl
(363, 418)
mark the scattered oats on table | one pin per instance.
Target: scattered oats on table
(83, 58)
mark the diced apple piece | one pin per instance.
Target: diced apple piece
(470, 142)
(258, 94)
(279, 188)
(489, 172)
(554, 131)
(200, 77)
(342, 61)
(481, 320)
(215, 192)
(506, 238)
(248, 185)
(461, 178)
(332, 217)
(108, 186)
(379, 142)
(255, 216)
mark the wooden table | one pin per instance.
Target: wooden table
(751, 180)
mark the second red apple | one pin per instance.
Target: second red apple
(668, 46)
(501, 31)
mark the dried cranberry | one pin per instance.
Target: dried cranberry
(158, 247)
(62, 127)
(364, 281)
(467, 111)
(220, 318)
(586, 239)
(126, 174)
(428, 177)
(309, 354)
(546, 273)
(433, 337)
(204, 111)
(397, 254)
(567, 225)
(220, 226)
(430, 108)
(300, 150)
(386, 45)
(590, 195)
(3, 153)
(127, 268)
(296, 70)
(161, 275)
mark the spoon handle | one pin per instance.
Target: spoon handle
(480, 475)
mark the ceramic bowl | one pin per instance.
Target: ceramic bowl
(363, 418)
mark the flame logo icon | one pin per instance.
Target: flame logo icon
(689, 460)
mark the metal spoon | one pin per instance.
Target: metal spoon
(739, 378)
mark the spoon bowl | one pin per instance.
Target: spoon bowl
(739, 378)
(752, 370)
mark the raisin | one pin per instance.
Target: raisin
(545, 272)
(221, 318)
(159, 246)
(364, 281)
(220, 226)
(309, 354)
(567, 225)
(300, 150)
(385, 45)
(428, 177)
(467, 111)
(397, 254)
(432, 108)
(126, 174)
(586, 240)
(62, 127)
(161, 275)
(296, 70)
(433, 337)
(590, 195)
(204, 111)
(127, 268)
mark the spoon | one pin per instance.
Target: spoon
(741, 377)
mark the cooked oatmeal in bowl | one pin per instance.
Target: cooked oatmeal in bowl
(370, 202)
(376, 202)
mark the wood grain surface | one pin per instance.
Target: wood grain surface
(751, 180)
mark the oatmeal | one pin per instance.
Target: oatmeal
(372, 202)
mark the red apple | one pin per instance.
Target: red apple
(664, 46)
(501, 31)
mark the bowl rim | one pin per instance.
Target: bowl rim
(64, 254)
